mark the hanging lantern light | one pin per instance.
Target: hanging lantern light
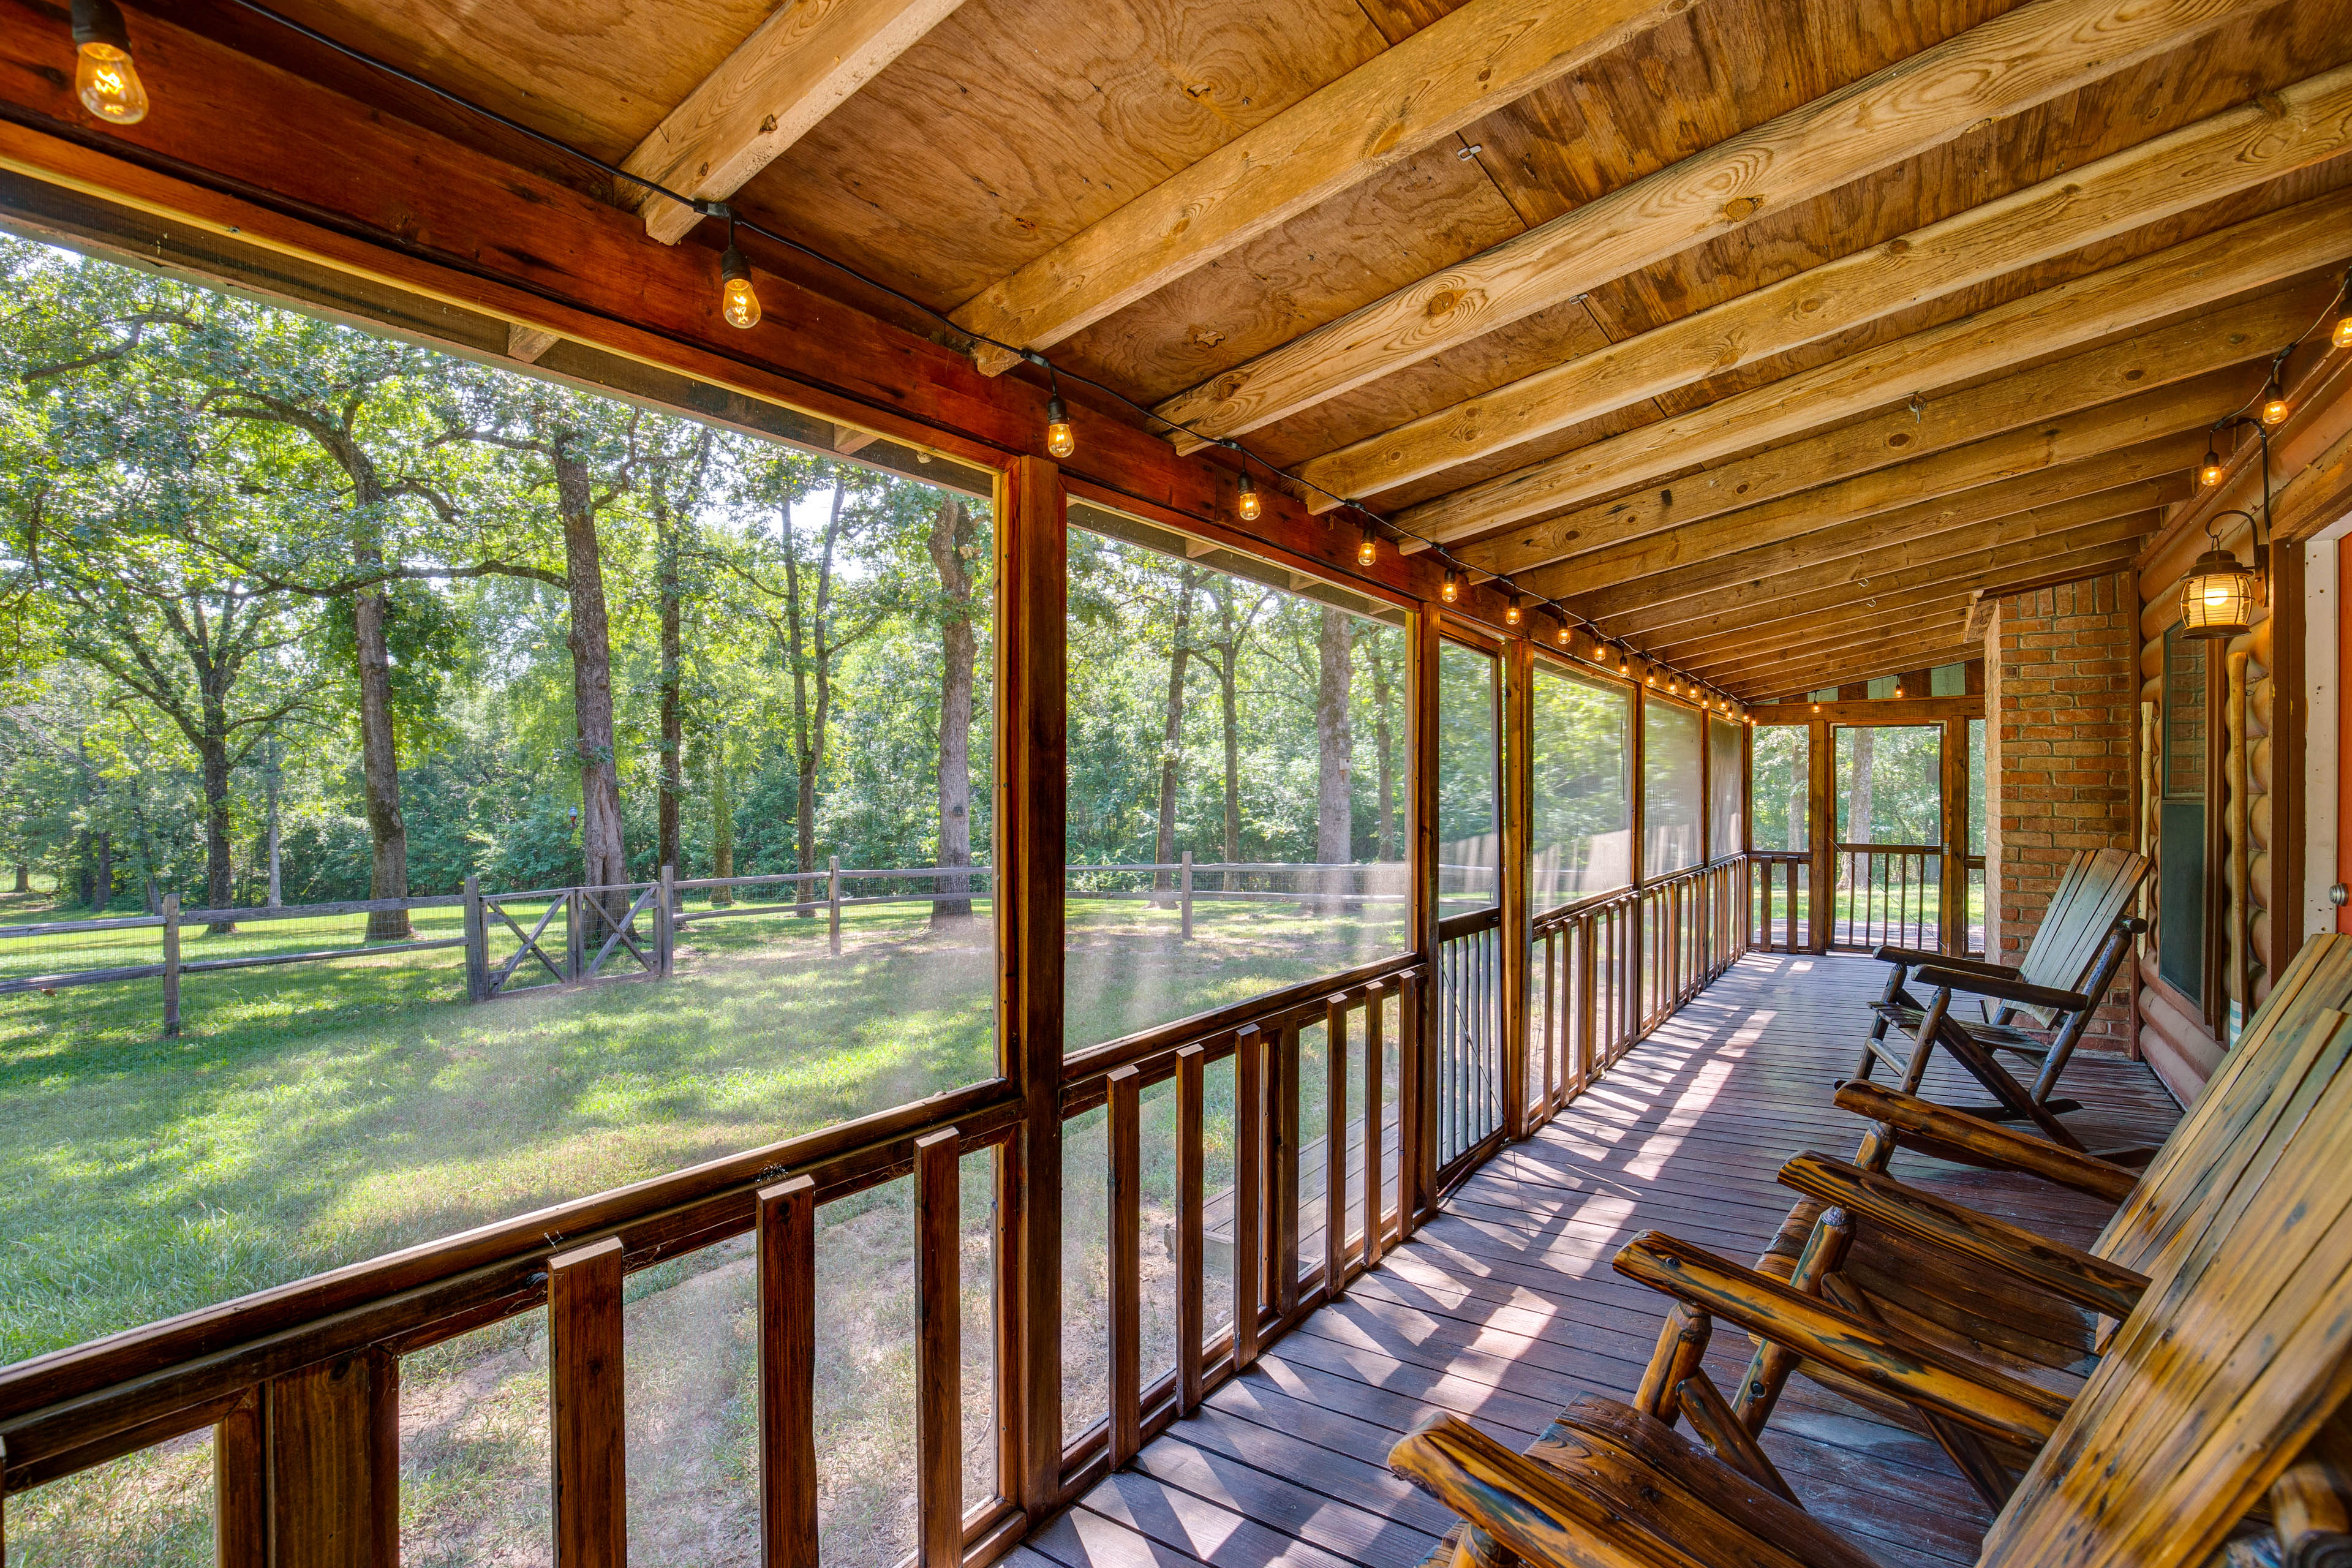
(2219, 595)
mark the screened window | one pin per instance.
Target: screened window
(1581, 837)
(1890, 784)
(1237, 778)
(1469, 804)
(1781, 762)
(1727, 820)
(1975, 787)
(1670, 788)
(2180, 830)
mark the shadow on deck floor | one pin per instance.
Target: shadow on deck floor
(1505, 1306)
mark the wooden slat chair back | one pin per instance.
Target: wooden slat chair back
(2292, 1056)
(2081, 944)
(2237, 1352)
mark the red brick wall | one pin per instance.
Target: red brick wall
(2061, 699)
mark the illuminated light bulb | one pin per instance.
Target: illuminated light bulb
(104, 78)
(1651, 679)
(1368, 547)
(1817, 707)
(2209, 472)
(1248, 504)
(1059, 439)
(1898, 688)
(2274, 409)
(2342, 337)
(1453, 587)
(1511, 612)
(738, 300)
(1563, 634)
(1625, 668)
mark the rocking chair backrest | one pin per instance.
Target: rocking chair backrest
(2098, 883)
(2239, 1350)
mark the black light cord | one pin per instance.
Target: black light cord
(1369, 518)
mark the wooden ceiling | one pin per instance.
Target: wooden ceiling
(1762, 333)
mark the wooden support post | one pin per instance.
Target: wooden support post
(331, 1466)
(477, 943)
(587, 1399)
(1953, 907)
(1249, 1188)
(171, 966)
(1335, 1148)
(832, 905)
(1191, 1272)
(787, 1339)
(1821, 829)
(1282, 1159)
(240, 1486)
(1375, 1049)
(1126, 1264)
(575, 936)
(1519, 678)
(665, 923)
(1031, 749)
(1412, 1108)
(1582, 1044)
(938, 1350)
(1184, 872)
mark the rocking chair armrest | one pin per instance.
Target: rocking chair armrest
(1919, 1374)
(1527, 1507)
(1988, 1140)
(2051, 1266)
(1920, 958)
(2018, 993)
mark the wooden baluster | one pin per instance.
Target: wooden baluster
(1335, 1148)
(786, 1264)
(939, 1349)
(586, 1392)
(240, 1486)
(1284, 1158)
(170, 965)
(329, 1463)
(1412, 1104)
(1191, 1272)
(1375, 1122)
(1249, 1180)
(1126, 1264)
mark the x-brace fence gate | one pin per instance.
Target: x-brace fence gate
(611, 921)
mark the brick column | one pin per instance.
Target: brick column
(2059, 696)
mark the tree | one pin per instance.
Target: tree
(1235, 621)
(1336, 747)
(952, 541)
(1171, 744)
(674, 482)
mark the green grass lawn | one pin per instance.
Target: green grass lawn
(319, 1113)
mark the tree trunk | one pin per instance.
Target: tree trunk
(277, 886)
(1229, 715)
(1383, 744)
(673, 717)
(24, 877)
(722, 820)
(102, 885)
(219, 875)
(951, 534)
(1171, 743)
(1858, 807)
(1335, 739)
(604, 858)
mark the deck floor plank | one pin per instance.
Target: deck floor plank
(1505, 1306)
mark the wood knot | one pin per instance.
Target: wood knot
(1206, 337)
(1900, 438)
(1740, 209)
(1442, 303)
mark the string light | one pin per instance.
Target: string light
(1624, 667)
(104, 79)
(2342, 336)
(738, 300)
(1248, 507)
(1368, 546)
(1452, 588)
(1059, 439)
(2209, 473)
(2274, 409)
(1511, 611)
(1651, 679)
(1563, 634)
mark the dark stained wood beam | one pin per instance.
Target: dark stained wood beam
(1758, 681)
(2227, 152)
(2163, 356)
(2026, 57)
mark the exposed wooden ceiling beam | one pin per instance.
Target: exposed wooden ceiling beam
(1988, 550)
(2183, 349)
(797, 67)
(1981, 243)
(1642, 604)
(1945, 582)
(1944, 620)
(2165, 411)
(1468, 63)
(2022, 57)
(1899, 654)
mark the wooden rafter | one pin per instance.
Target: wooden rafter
(795, 69)
(1654, 539)
(2052, 391)
(1944, 644)
(1641, 603)
(2023, 58)
(2215, 157)
(1467, 64)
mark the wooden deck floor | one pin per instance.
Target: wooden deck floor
(1506, 1307)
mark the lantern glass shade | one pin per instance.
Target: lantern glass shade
(2218, 597)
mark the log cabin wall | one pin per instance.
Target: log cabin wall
(2060, 701)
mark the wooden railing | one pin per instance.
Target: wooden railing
(1779, 909)
(1470, 1103)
